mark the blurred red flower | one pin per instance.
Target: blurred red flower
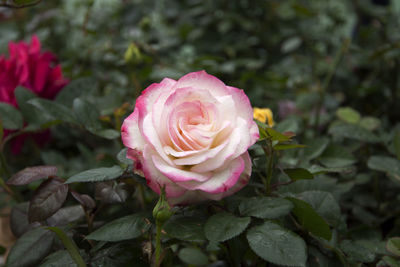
(37, 71)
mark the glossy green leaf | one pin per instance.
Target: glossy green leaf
(223, 226)
(265, 207)
(298, 174)
(23, 254)
(324, 204)
(128, 227)
(96, 175)
(277, 245)
(185, 228)
(309, 219)
(59, 258)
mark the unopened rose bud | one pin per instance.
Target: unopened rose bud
(162, 211)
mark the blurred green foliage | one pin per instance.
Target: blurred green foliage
(329, 71)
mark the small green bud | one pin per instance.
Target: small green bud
(162, 211)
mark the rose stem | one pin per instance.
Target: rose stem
(158, 242)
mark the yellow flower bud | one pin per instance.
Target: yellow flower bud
(264, 114)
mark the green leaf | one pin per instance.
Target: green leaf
(19, 219)
(74, 89)
(370, 123)
(66, 215)
(393, 245)
(112, 192)
(57, 259)
(97, 175)
(315, 148)
(392, 262)
(298, 174)
(54, 110)
(287, 146)
(356, 251)
(122, 157)
(128, 227)
(277, 245)
(87, 114)
(385, 164)
(324, 204)
(193, 256)
(348, 115)
(336, 156)
(70, 245)
(309, 219)
(185, 228)
(108, 133)
(265, 207)
(31, 114)
(261, 129)
(276, 136)
(10, 117)
(354, 132)
(32, 174)
(223, 226)
(47, 199)
(31, 248)
(291, 44)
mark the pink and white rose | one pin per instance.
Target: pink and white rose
(192, 136)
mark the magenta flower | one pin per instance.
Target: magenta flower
(192, 136)
(29, 67)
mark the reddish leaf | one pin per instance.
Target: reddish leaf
(47, 200)
(31, 174)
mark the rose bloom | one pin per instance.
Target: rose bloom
(27, 66)
(192, 136)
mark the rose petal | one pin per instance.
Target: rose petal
(221, 180)
(177, 175)
(155, 179)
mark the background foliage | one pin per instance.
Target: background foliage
(329, 71)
